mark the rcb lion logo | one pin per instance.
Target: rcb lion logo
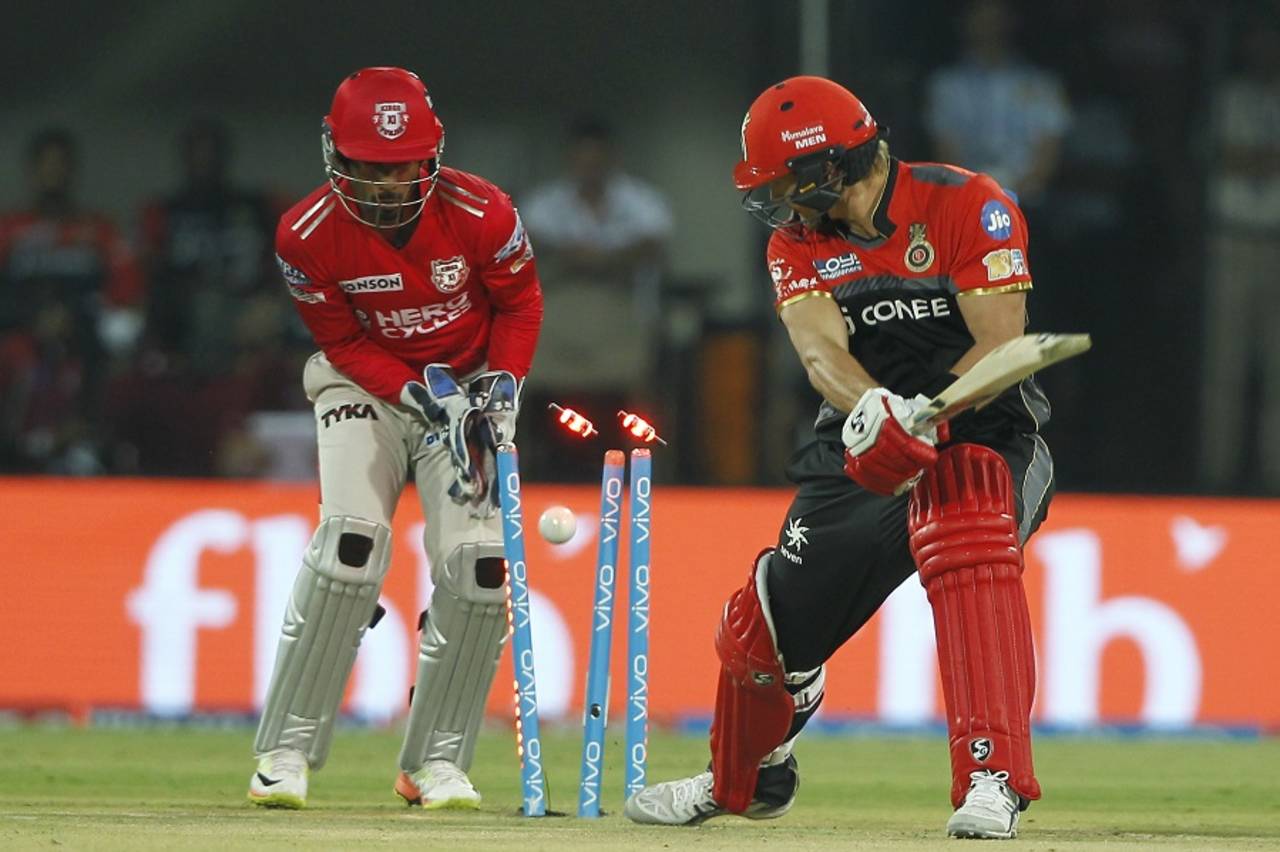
(919, 256)
(450, 274)
(390, 118)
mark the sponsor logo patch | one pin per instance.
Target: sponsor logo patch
(513, 244)
(999, 264)
(519, 262)
(996, 221)
(311, 297)
(835, 268)
(373, 284)
(981, 749)
(292, 274)
(805, 137)
(449, 274)
(1019, 261)
(391, 119)
(795, 539)
(795, 533)
(407, 323)
(348, 411)
(887, 310)
(784, 281)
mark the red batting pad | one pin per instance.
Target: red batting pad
(753, 708)
(964, 537)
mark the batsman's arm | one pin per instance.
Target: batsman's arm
(821, 339)
(989, 268)
(992, 319)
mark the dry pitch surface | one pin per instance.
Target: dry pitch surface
(183, 788)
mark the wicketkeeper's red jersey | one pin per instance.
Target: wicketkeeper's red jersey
(464, 290)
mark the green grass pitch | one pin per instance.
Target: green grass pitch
(183, 788)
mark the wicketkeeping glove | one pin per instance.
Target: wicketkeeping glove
(449, 411)
(497, 395)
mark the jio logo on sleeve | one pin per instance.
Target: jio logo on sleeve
(996, 221)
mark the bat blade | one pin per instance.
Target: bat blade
(995, 372)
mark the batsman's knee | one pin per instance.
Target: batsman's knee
(962, 513)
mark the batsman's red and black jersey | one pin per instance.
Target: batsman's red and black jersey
(947, 234)
(464, 290)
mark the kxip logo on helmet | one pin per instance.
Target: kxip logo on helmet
(390, 118)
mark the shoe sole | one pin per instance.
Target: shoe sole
(283, 801)
(452, 805)
(981, 834)
(768, 813)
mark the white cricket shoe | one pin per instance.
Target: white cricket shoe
(688, 801)
(438, 785)
(990, 808)
(281, 779)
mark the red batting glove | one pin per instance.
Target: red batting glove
(893, 462)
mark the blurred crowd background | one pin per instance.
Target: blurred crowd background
(147, 149)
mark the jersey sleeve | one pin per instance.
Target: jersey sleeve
(510, 276)
(791, 269)
(330, 318)
(989, 236)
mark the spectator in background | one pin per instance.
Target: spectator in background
(208, 254)
(1242, 294)
(601, 237)
(995, 113)
(218, 328)
(68, 287)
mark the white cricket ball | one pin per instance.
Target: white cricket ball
(557, 524)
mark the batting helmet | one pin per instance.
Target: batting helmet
(803, 127)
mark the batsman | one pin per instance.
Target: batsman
(419, 286)
(892, 279)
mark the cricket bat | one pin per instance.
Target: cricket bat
(1001, 368)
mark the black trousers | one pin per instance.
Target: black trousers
(842, 550)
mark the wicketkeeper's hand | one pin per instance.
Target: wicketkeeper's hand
(497, 395)
(880, 454)
(450, 413)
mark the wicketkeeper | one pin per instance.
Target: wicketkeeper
(891, 278)
(419, 286)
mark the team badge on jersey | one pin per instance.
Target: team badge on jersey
(390, 118)
(920, 254)
(996, 221)
(449, 274)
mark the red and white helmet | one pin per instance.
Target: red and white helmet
(800, 127)
(382, 115)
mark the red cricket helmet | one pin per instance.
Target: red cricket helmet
(382, 115)
(798, 127)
